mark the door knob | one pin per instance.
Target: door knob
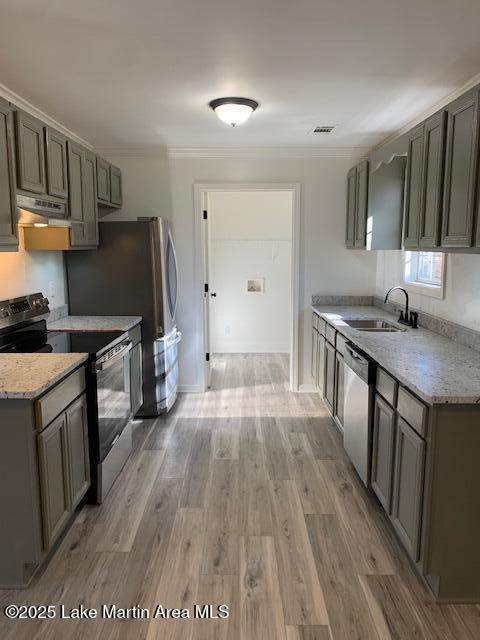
(214, 295)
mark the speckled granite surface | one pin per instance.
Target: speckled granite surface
(28, 375)
(342, 300)
(435, 368)
(94, 323)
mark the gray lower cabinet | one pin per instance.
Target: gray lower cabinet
(329, 373)
(8, 209)
(56, 163)
(77, 450)
(339, 390)
(136, 378)
(64, 468)
(320, 372)
(408, 487)
(82, 173)
(461, 167)
(383, 447)
(54, 479)
(314, 355)
(44, 453)
(30, 141)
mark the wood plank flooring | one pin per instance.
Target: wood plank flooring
(241, 496)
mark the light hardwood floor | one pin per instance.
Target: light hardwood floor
(241, 496)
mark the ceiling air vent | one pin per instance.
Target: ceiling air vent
(324, 129)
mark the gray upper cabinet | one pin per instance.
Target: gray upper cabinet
(383, 447)
(8, 209)
(109, 184)
(432, 182)
(351, 207)
(103, 180)
(54, 482)
(56, 155)
(413, 191)
(115, 186)
(82, 173)
(75, 179)
(408, 487)
(361, 205)
(30, 153)
(357, 206)
(90, 228)
(461, 165)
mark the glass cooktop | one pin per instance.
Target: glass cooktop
(36, 339)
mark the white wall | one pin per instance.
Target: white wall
(325, 265)
(461, 303)
(250, 237)
(25, 272)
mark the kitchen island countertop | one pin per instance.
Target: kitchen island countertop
(26, 376)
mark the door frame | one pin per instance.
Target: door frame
(200, 192)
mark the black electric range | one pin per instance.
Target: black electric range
(23, 329)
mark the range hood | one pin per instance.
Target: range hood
(41, 212)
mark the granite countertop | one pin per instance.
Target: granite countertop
(438, 370)
(27, 375)
(94, 323)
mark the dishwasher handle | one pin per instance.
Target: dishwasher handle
(360, 363)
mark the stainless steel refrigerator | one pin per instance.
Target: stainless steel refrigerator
(134, 272)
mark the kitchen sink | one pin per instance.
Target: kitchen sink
(373, 324)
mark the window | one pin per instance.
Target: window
(425, 272)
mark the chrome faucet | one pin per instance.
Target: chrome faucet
(410, 319)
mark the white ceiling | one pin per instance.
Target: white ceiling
(141, 72)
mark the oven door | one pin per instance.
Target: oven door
(113, 395)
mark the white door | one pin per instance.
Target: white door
(206, 293)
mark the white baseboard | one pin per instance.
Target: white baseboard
(307, 388)
(260, 347)
(190, 388)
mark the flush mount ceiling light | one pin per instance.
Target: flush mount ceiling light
(233, 111)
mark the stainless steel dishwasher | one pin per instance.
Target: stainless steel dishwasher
(358, 409)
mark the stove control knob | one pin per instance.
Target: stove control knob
(4, 313)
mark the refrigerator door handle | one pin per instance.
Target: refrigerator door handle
(170, 240)
(156, 252)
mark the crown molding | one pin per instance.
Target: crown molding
(429, 112)
(267, 152)
(20, 102)
(231, 152)
(132, 151)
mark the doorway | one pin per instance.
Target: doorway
(248, 259)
